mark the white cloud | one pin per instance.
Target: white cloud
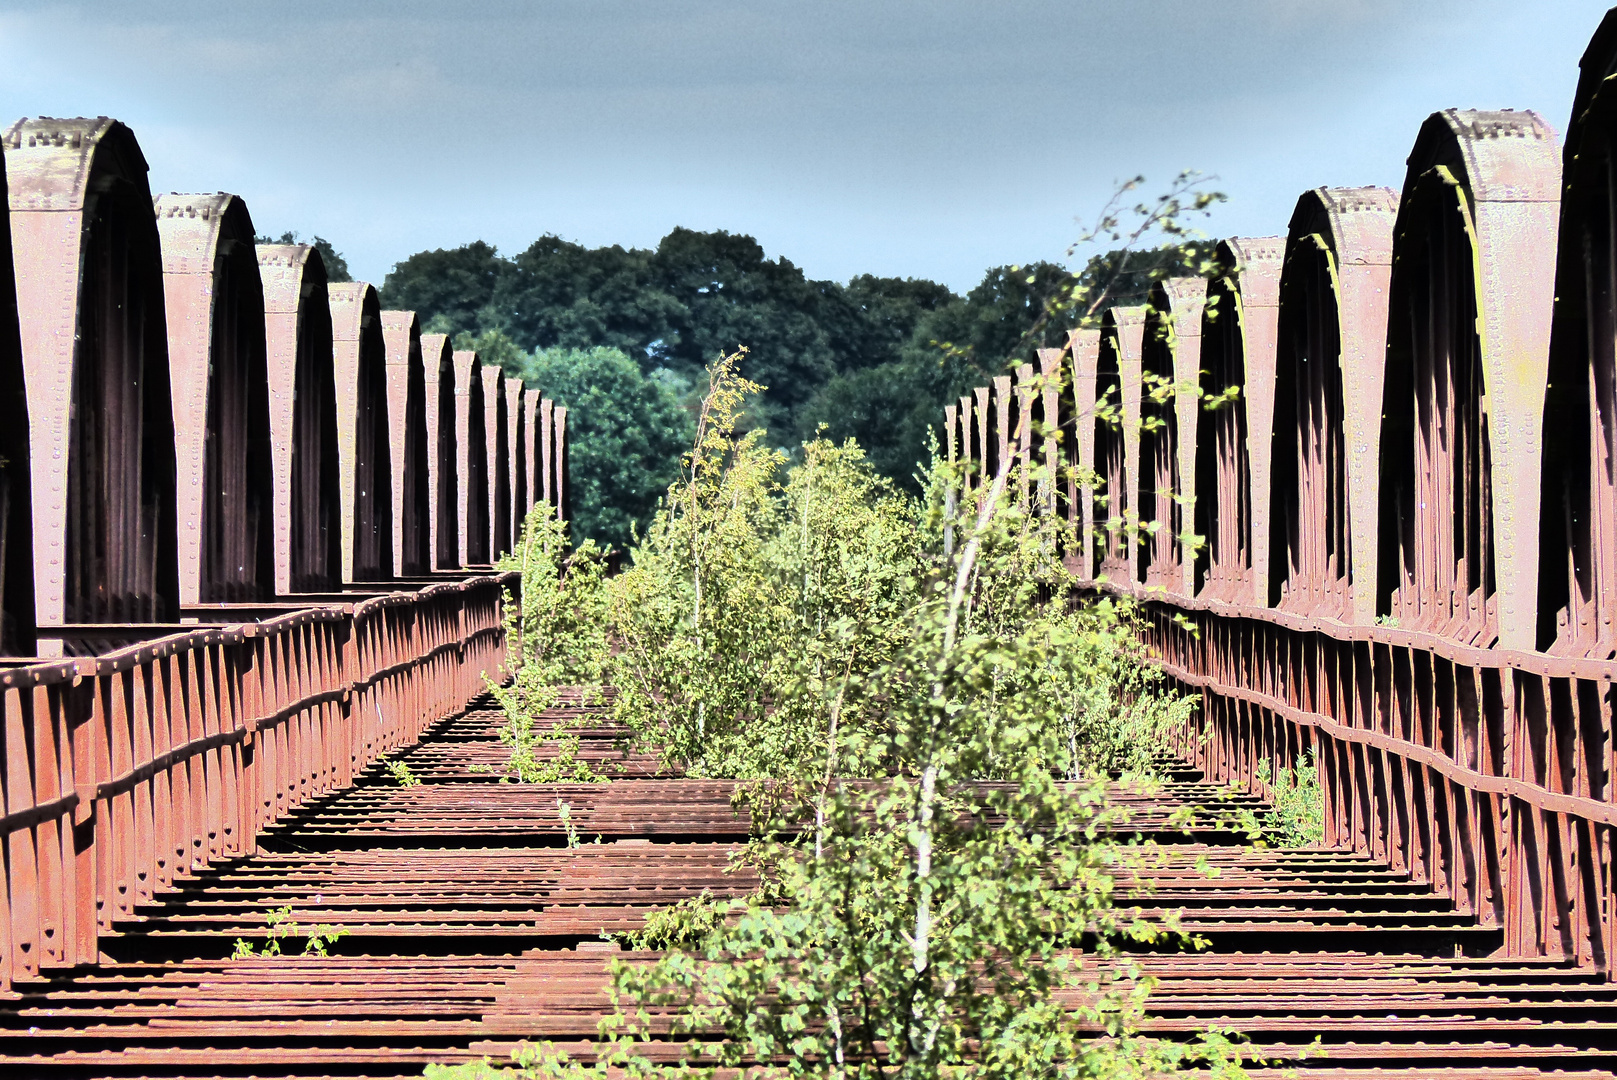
(907, 137)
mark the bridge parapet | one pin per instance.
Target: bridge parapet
(151, 762)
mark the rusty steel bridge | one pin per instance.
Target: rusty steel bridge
(247, 528)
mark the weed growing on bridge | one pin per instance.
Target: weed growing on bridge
(927, 924)
(1298, 815)
(761, 599)
(401, 772)
(279, 927)
(929, 729)
(556, 637)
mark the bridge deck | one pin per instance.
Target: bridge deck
(472, 926)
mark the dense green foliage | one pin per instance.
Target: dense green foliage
(625, 431)
(926, 724)
(556, 636)
(870, 360)
(1297, 817)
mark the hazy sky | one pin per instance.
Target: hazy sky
(884, 136)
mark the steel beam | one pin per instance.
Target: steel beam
(303, 419)
(409, 444)
(438, 365)
(95, 359)
(363, 440)
(215, 308)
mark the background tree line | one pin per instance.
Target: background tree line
(622, 337)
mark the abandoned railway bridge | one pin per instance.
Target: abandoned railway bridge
(247, 521)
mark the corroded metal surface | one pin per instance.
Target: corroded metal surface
(215, 306)
(1329, 364)
(1467, 359)
(1116, 423)
(1395, 365)
(438, 365)
(1084, 348)
(303, 419)
(471, 459)
(1170, 363)
(558, 451)
(547, 450)
(531, 436)
(1577, 572)
(1232, 445)
(1391, 649)
(163, 750)
(409, 444)
(16, 505)
(516, 419)
(364, 447)
(970, 465)
(95, 360)
(1000, 429)
(980, 421)
(497, 436)
(1051, 421)
(108, 804)
(472, 926)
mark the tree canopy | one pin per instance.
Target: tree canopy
(625, 435)
(696, 296)
(874, 359)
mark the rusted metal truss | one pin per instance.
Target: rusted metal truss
(363, 441)
(497, 432)
(472, 927)
(89, 275)
(471, 458)
(443, 484)
(217, 366)
(410, 444)
(201, 441)
(303, 419)
(1390, 550)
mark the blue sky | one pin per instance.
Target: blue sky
(899, 138)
